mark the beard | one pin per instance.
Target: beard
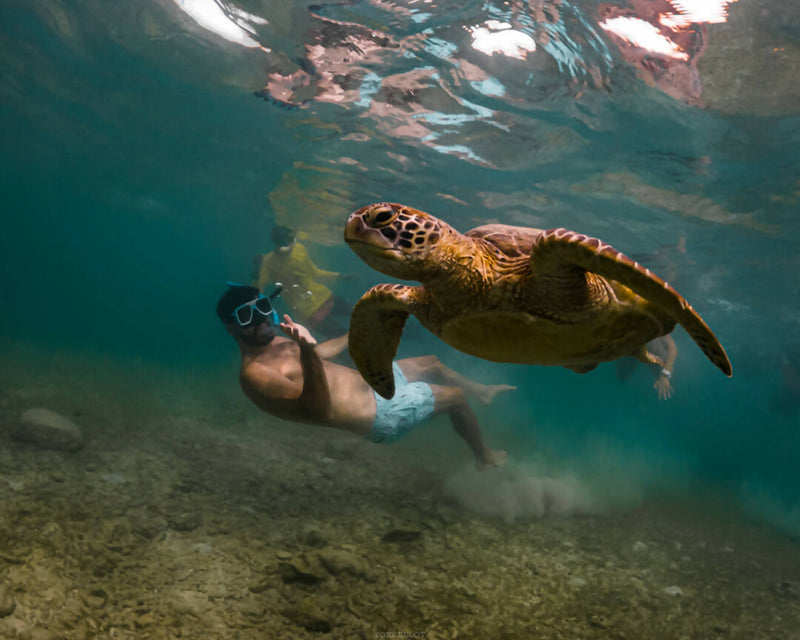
(262, 335)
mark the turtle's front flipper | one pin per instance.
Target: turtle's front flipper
(559, 248)
(376, 325)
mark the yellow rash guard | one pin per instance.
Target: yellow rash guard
(298, 274)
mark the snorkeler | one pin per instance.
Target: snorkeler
(303, 289)
(294, 379)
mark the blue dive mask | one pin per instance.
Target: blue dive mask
(245, 313)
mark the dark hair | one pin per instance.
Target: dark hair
(282, 236)
(232, 298)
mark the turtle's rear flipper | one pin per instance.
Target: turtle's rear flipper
(559, 248)
(376, 325)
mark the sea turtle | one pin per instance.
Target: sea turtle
(508, 294)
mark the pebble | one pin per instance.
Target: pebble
(601, 622)
(146, 523)
(184, 521)
(402, 535)
(338, 561)
(48, 430)
(252, 609)
(639, 546)
(789, 589)
(113, 478)
(313, 536)
(259, 587)
(145, 620)
(673, 590)
(7, 603)
(96, 599)
(310, 616)
(304, 568)
(15, 485)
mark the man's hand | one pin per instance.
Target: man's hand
(296, 332)
(664, 388)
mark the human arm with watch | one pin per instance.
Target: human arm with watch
(663, 384)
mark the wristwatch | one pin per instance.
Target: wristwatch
(666, 373)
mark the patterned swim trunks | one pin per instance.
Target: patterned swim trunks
(412, 403)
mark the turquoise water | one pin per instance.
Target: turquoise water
(140, 171)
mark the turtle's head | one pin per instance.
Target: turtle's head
(396, 240)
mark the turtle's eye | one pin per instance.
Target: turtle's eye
(383, 217)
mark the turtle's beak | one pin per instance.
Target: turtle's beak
(357, 231)
(355, 228)
(369, 244)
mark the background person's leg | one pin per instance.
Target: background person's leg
(430, 369)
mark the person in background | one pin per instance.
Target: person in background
(311, 301)
(294, 379)
(667, 261)
(666, 349)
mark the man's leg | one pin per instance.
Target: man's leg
(453, 401)
(431, 369)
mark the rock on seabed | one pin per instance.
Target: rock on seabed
(7, 604)
(49, 430)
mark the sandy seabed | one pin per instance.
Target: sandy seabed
(188, 514)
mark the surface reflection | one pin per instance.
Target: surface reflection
(499, 37)
(226, 20)
(664, 39)
(428, 80)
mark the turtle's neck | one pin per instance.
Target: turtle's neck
(460, 264)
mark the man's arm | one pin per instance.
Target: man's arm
(309, 266)
(332, 348)
(315, 397)
(672, 352)
(662, 383)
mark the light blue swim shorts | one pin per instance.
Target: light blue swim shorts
(412, 403)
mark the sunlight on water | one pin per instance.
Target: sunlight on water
(229, 23)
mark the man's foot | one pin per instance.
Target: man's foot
(485, 393)
(492, 458)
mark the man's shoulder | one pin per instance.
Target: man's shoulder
(299, 250)
(252, 371)
(272, 361)
(261, 379)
